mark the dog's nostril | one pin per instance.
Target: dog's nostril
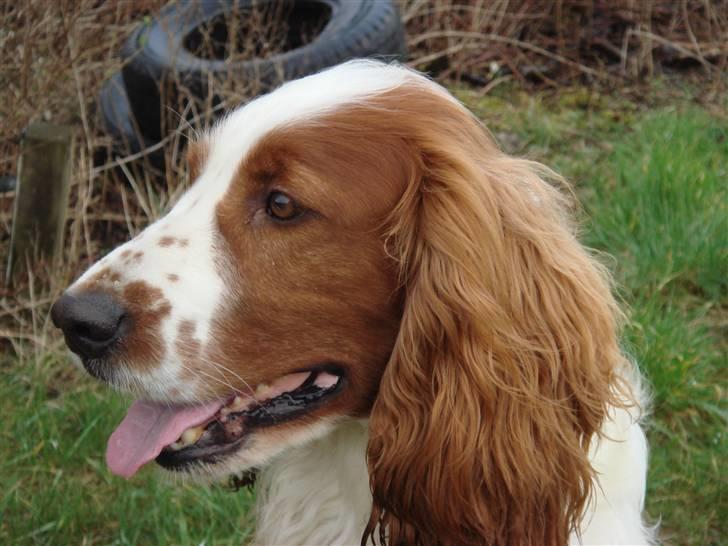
(91, 322)
(96, 331)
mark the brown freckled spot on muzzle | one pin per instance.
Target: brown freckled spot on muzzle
(167, 241)
(184, 242)
(173, 277)
(147, 307)
(103, 275)
(130, 257)
(189, 348)
(187, 343)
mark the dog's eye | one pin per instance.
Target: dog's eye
(282, 207)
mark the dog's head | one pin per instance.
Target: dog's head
(355, 245)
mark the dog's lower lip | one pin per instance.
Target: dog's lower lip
(228, 432)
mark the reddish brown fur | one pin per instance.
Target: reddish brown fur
(197, 153)
(101, 276)
(507, 354)
(188, 347)
(167, 241)
(142, 347)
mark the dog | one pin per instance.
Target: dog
(389, 319)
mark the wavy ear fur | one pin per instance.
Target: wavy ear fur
(507, 357)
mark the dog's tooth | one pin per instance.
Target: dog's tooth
(176, 446)
(191, 435)
(236, 405)
(261, 390)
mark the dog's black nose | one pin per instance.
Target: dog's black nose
(91, 322)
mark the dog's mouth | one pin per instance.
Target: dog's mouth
(177, 437)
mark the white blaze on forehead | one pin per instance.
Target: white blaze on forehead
(197, 291)
(307, 97)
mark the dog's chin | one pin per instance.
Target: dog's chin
(118, 376)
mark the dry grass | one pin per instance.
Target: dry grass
(610, 42)
(58, 55)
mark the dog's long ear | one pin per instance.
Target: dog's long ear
(507, 358)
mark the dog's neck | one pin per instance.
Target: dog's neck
(317, 493)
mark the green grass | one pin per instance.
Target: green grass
(57, 489)
(662, 211)
(654, 186)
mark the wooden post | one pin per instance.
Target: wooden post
(41, 198)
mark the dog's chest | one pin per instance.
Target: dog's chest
(317, 493)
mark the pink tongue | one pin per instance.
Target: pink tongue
(147, 428)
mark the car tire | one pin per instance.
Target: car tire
(157, 60)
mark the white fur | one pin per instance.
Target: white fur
(316, 493)
(620, 460)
